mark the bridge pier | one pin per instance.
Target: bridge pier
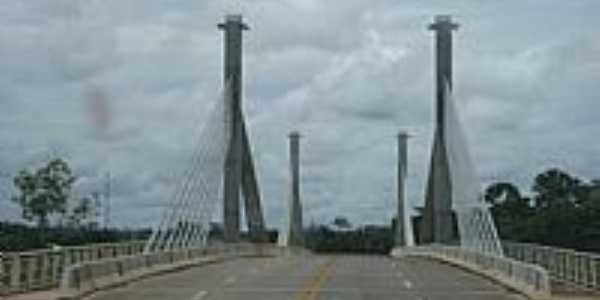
(239, 173)
(438, 223)
(401, 234)
(296, 234)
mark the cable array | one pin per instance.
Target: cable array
(185, 222)
(476, 226)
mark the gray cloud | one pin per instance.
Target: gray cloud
(347, 75)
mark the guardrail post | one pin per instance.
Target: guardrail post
(31, 266)
(15, 273)
(94, 253)
(570, 267)
(551, 261)
(561, 264)
(89, 252)
(595, 267)
(587, 264)
(67, 259)
(577, 267)
(44, 268)
(56, 261)
(77, 256)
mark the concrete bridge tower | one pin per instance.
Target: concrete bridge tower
(239, 166)
(401, 224)
(296, 234)
(438, 225)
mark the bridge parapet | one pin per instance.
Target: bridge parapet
(85, 278)
(42, 269)
(529, 279)
(565, 266)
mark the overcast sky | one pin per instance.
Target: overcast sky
(122, 85)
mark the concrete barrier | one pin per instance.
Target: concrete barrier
(85, 278)
(528, 279)
(22, 272)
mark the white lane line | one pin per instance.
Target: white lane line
(229, 280)
(200, 295)
(408, 284)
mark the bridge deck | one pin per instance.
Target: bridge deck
(318, 277)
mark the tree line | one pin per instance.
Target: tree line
(53, 215)
(560, 210)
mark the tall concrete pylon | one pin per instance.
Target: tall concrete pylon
(401, 235)
(239, 167)
(438, 225)
(296, 233)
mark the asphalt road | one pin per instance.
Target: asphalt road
(316, 277)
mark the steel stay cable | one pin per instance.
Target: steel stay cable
(176, 198)
(170, 212)
(201, 161)
(187, 193)
(199, 188)
(200, 184)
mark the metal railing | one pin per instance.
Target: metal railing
(42, 269)
(527, 278)
(578, 269)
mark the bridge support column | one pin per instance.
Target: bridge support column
(239, 168)
(438, 224)
(401, 234)
(296, 234)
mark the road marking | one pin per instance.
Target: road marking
(229, 280)
(311, 290)
(200, 295)
(408, 284)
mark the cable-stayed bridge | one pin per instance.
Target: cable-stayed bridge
(179, 261)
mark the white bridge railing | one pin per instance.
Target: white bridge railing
(577, 269)
(85, 278)
(527, 278)
(42, 269)
(23, 272)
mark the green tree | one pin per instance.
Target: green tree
(502, 192)
(44, 192)
(564, 211)
(342, 223)
(81, 213)
(558, 198)
(509, 209)
(588, 217)
(556, 188)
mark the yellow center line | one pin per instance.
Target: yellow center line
(310, 291)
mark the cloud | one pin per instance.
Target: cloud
(348, 75)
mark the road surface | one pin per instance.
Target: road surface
(314, 277)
